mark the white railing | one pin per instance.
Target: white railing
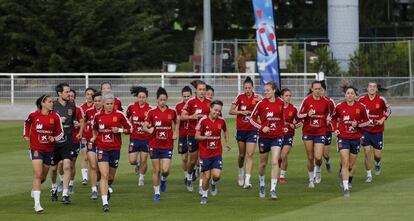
(25, 87)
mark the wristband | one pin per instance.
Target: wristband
(120, 130)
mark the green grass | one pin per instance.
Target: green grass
(389, 197)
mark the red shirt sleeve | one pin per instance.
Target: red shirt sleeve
(236, 101)
(126, 124)
(58, 128)
(303, 111)
(335, 118)
(254, 115)
(27, 125)
(365, 120)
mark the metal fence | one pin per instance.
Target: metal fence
(24, 88)
(378, 57)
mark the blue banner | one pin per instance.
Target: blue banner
(267, 51)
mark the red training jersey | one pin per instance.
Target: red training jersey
(38, 127)
(343, 117)
(118, 104)
(211, 146)
(79, 116)
(377, 108)
(162, 121)
(270, 115)
(89, 116)
(85, 106)
(136, 116)
(316, 124)
(102, 125)
(196, 106)
(290, 114)
(245, 103)
(183, 124)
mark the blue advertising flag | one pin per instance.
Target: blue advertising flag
(267, 51)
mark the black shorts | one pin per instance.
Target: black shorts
(62, 151)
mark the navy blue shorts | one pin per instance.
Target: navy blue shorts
(182, 145)
(265, 144)
(75, 151)
(160, 153)
(192, 144)
(349, 144)
(111, 156)
(376, 140)
(211, 163)
(91, 147)
(247, 136)
(46, 157)
(138, 146)
(328, 138)
(315, 139)
(288, 141)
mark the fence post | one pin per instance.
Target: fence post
(410, 67)
(214, 57)
(162, 80)
(305, 64)
(236, 55)
(12, 89)
(86, 80)
(238, 83)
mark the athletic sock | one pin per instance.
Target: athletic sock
(65, 192)
(369, 173)
(185, 174)
(190, 177)
(54, 186)
(61, 178)
(311, 177)
(247, 179)
(104, 199)
(350, 179)
(345, 184)
(163, 178)
(71, 182)
(94, 189)
(84, 172)
(282, 173)
(214, 182)
(200, 183)
(327, 159)
(273, 183)
(204, 193)
(157, 190)
(241, 171)
(36, 197)
(262, 180)
(377, 163)
(141, 176)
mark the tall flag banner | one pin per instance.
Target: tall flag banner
(267, 51)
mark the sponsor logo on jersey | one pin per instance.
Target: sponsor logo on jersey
(101, 126)
(39, 126)
(114, 119)
(269, 114)
(157, 123)
(51, 121)
(135, 118)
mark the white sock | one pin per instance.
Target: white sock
(262, 180)
(241, 171)
(65, 192)
(273, 183)
(104, 199)
(346, 184)
(318, 169)
(54, 186)
(36, 197)
(282, 173)
(157, 190)
(94, 189)
(213, 182)
(84, 172)
(369, 173)
(185, 174)
(204, 193)
(200, 183)
(61, 178)
(71, 182)
(163, 178)
(247, 179)
(310, 173)
(141, 176)
(190, 177)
